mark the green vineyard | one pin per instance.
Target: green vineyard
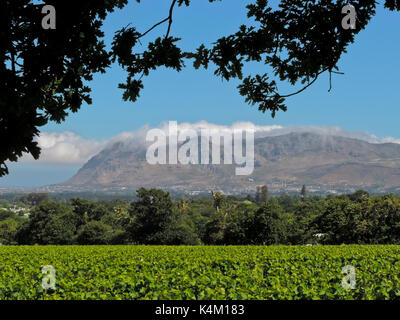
(204, 272)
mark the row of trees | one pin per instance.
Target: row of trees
(154, 218)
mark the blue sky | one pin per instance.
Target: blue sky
(364, 99)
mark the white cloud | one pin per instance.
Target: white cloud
(207, 125)
(65, 148)
(70, 148)
(335, 131)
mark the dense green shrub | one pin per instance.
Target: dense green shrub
(231, 272)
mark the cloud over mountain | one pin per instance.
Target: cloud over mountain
(70, 148)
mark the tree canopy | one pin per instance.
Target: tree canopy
(44, 72)
(156, 219)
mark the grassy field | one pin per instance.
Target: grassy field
(161, 272)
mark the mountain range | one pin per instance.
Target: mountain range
(324, 163)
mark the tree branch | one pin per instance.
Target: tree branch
(171, 9)
(156, 25)
(169, 18)
(304, 88)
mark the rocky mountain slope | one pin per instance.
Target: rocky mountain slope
(293, 159)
